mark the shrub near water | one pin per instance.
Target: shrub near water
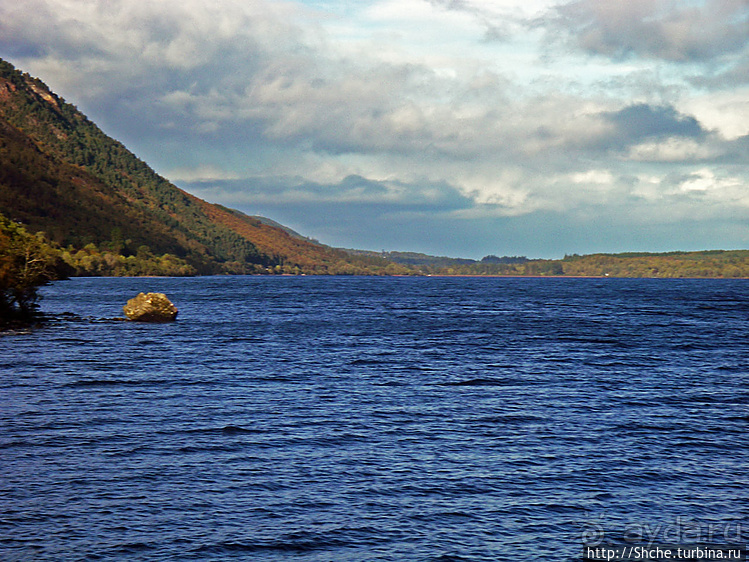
(26, 262)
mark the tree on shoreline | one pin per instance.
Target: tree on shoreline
(26, 263)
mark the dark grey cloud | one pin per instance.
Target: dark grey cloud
(638, 122)
(355, 212)
(673, 30)
(398, 196)
(735, 152)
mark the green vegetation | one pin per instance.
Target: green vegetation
(504, 259)
(528, 268)
(710, 263)
(26, 262)
(93, 261)
(705, 264)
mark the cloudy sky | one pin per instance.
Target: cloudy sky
(452, 127)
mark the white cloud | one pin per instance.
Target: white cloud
(726, 112)
(672, 149)
(600, 177)
(719, 188)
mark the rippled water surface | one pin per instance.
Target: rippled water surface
(389, 419)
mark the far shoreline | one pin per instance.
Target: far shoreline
(396, 276)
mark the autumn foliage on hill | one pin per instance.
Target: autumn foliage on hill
(294, 254)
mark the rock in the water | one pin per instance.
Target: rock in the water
(151, 307)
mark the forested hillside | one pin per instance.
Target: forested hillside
(111, 214)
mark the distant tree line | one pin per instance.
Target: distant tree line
(704, 264)
(504, 259)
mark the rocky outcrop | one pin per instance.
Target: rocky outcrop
(151, 307)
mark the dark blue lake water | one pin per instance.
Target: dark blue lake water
(388, 419)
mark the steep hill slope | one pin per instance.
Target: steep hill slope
(60, 174)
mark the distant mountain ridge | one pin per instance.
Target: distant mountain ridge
(60, 174)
